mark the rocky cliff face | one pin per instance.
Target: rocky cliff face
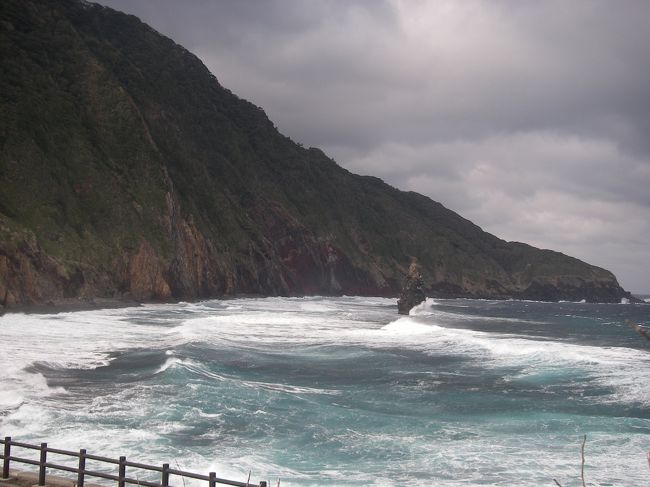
(128, 171)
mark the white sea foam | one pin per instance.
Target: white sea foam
(121, 422)
(289, 389)
(430, 307)
(619, 368)
(622, 369)
(169, 363)
(79, 340)
(424, 307)
(407, 327)
(10, 399)
(316, 308)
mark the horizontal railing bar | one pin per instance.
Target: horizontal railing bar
(91, 473)
(24, 445)
(56, 451)
(24, 460)
(146, 483)
(101, 475)
(234, 483)
(86, 472)
(173, 471)
(143, 466)
(62, 467)
(191, 475)
(131, 464)
(102, 459)
(181, 473)
(127, 480)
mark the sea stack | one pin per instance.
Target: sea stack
(412, 293)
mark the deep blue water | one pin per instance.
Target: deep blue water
(341, 391)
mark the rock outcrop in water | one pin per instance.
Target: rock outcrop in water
(128, 171)
(412, 290)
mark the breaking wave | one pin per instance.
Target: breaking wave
(333, 391)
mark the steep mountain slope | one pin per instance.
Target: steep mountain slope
(126, 170)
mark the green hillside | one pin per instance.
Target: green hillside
(128, 171)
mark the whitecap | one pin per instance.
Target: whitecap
(407, 326)
(289, 389)
(424, 307)
(316, 308)
(120, 423)
(169, 363)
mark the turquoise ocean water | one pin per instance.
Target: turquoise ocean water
(341, 391)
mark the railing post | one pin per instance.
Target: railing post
(165, 474)
(41, 465)
(213, 479)
(82, 468)
(5, 463)
(122, 472)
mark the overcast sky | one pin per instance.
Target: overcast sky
(530, 118)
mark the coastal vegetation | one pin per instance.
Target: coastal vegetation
(127, 171)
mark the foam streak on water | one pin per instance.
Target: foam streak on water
(340, 391)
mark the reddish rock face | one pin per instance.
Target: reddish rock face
(127, 171)
(29, 276)
(145, 278)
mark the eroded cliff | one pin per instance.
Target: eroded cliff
(128, 171)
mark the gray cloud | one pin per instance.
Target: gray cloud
(529, 118)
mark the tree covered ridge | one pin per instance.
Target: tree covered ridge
(127, 170)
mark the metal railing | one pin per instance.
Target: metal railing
(122, 464)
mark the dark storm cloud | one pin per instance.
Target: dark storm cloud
(530, 118)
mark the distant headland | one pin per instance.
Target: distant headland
(127, 172)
